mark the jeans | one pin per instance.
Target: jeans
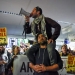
(52, 53)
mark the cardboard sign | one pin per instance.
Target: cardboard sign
(65, 68)
(21, 66)
(71, 64)
(3, 36)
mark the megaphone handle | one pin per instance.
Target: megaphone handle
(25, 35)
(24, 31)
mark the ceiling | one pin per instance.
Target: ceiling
(62, 11)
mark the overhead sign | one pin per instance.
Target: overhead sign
(71, 37)
(67, 29)
(3, 36)
(21, 66)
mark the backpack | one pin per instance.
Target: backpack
(59, 60)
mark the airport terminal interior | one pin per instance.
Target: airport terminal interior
(13, 36)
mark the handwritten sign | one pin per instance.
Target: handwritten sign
(3, 36)
(65, 70)
(71, 64)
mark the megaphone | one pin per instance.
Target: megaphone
(23, 12)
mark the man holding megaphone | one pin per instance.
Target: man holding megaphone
(41, 24)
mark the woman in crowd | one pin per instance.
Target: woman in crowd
(64, 50)
(16, 51)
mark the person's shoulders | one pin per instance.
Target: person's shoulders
(35, 45)
(60, 53)
(47, 18)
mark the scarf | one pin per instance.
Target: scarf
(37, 20)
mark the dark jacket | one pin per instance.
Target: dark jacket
(10, 63)
(49, 25)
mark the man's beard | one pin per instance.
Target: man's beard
(34, 16)
(43, 43)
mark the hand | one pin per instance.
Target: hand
(27, 18)
(14, 56)
(2, 62)
(43, 68)
(37, 68)
(50, 41)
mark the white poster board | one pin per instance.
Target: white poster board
(21, 66)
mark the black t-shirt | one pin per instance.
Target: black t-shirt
(42, 57)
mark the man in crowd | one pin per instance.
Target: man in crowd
(42, 24)
(2, 62)
(41, 61)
